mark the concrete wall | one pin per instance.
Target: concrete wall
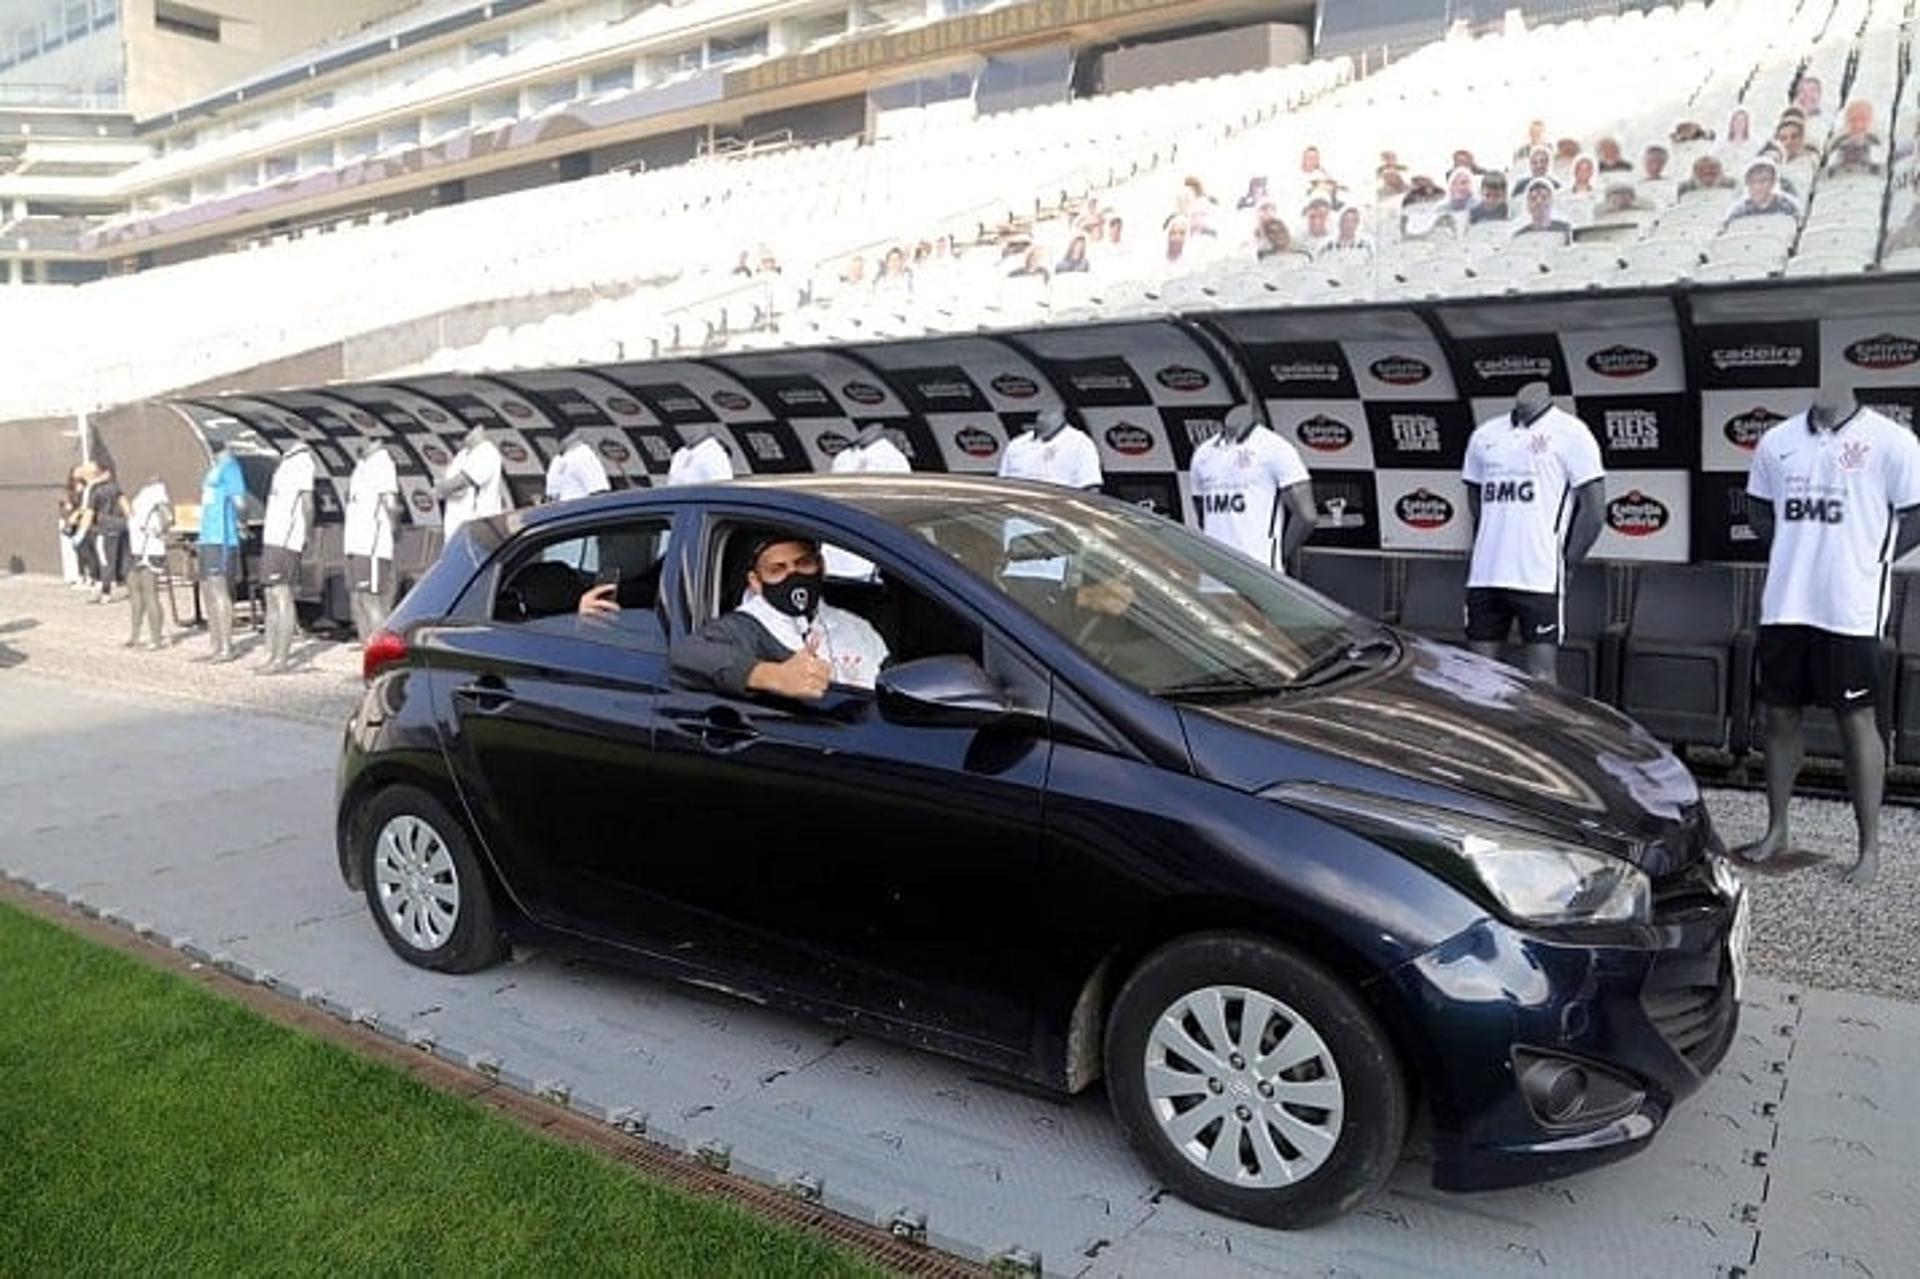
(35, 456)
(166, 70)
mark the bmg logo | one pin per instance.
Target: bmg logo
(1814, 510)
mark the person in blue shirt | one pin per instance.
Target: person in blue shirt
(223, 498)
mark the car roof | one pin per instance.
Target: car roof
(887, 496)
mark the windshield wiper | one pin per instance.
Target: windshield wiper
(1345, 657)
(1229, 682)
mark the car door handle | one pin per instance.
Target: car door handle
(488, 695)
(719, 728)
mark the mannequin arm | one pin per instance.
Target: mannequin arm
(306, 510)
(454, 482)
(1589, 516)
(1760, 519)
(1473, 509)
(1907, 535)
(1302, 517)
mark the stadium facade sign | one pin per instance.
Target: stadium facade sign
(964, 34)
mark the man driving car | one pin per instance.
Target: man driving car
(783, 638)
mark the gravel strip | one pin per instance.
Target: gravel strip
(1808, 925)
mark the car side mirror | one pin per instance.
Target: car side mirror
(946, 691)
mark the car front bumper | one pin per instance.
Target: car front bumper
(1643, 1014)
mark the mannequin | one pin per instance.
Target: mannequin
(373, 522)
(1246, 478)
(284, 539)
(223, 499)
(576, 471)
(703, 459)
(1053, 452)
(1522, 465)
(1834, 494)
(871, 453)
(474, 486)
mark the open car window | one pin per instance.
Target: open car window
(542, 589)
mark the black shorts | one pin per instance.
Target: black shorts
(217, 560)
(279, 567)
(1806, 666)
(361, 576)
(1492, 612)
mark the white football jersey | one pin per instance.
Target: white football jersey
(293, 477)
(368, 530)
(704, 463)
(1834, 496)
(576, 472)
(1527, 475)
(882, 457)
(1237, 490)
(1069, 459)
(485, 494)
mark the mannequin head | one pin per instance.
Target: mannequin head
(474, 438)
(1238, 423)
(1532, 400)
(698, 433)
(870, 434)
(1831, 405)
(1050, 423)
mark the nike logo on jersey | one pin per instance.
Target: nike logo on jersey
(1544, 630)
(1855, 694)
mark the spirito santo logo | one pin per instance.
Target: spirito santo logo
(614, 451)
(1423, 509)
(1883, 351)
(1400, 370)
(1324, 434)
(1016, 386)
(1637, 515)
(1179, 377)
(1129, 440)
(1620, 361)
(863, 393)
(976, 442)
(1743, 430)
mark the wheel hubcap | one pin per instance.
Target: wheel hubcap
(1244, 1087)
(414, 878)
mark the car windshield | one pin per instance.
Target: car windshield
(1152, 602)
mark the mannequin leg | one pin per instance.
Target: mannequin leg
(1543, 662)
(1785, 748)
(1489, 649)
(136, 605)
(1865, 752)
(280, 626)
(219, 617)
(143, 597)
(357, 601)
(378, 606)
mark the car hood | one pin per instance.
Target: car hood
(1474, 729)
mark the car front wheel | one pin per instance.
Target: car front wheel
(424, 885)
(1254, 1082)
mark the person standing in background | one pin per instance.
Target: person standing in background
(149, 519)
(107, 512)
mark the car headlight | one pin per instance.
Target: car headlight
(1529, 877)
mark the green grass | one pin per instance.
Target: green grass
(149, 1127)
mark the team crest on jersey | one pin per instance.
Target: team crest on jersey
(1854, 455)
(1243, 458)
(1539, 444)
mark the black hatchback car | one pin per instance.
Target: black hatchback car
(1120, 803)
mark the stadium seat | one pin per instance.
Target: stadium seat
(1907, 641)
(1358, 581)
(1686, 640)
(1590, 643)
(1433, 602)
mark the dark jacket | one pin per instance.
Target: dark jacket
(719, 655)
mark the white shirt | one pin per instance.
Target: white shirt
(147, 521)
(1237, 490)
(576, 472)
(1834, 495)
(484, 496)
(1527, 475)
(369, 532)
(848, 641)
(292, 479)
(882, 457)
(1069, 459)
(704, 463)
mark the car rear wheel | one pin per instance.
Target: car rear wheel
(424, 886)
(1254, 1082)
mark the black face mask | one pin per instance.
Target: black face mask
(796, 594)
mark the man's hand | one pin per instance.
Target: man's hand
(599, 601)
(804, 676)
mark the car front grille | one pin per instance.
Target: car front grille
(1686, 890)
(1697, 1021)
